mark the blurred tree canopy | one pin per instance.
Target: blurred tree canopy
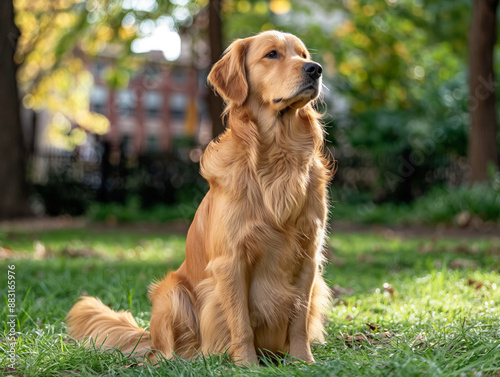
(401, 66)
(56, 35)
(395, 73)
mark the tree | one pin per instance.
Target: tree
(54, 37)
(215, 105)
(13, 191)
(483, 117)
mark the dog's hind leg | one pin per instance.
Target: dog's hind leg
(174, 324)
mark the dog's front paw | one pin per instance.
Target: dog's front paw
(302, 353)
(245, 356)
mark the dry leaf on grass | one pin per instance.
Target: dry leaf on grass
(8, 370)
(41, 252)
(389, 289)
(477, 284)
(463, 219)
(5, 253)
(373, 327)
(135, 365)
(420, 341)
(374, 335)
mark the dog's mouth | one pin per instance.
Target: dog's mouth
(301, 97)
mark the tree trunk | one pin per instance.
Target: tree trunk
(13, 190)
(215, 104)
(483, 132)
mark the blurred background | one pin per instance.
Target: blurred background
(105, 110)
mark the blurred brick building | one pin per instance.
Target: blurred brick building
(163, 101)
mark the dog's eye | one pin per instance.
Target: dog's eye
(272, 55)
(304, 55)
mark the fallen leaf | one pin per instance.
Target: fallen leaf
(41, 252)
(420, 341)
(5, 253)
(477, 284)
(9, 370)
(373, 327)
(463, 219)
(388, 288)
(135, 365)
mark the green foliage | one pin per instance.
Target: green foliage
(132, 211)
(437, 317)
(56, 39)
(457, 206)
(443, 205)
(401, 66)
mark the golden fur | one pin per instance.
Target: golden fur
(251, 279)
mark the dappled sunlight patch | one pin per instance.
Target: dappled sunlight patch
(399, 310)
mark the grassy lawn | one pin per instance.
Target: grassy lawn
(401, 307)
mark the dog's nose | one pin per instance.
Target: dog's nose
(313, 69)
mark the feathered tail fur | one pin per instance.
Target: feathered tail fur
(90, 318)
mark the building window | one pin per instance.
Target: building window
(127, 145)
(152, 104)
(152, 77)
(125, 102)
(178, 104)
(179, 77)
(99, 97)
(152, 144)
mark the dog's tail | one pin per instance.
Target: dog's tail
(91, 319)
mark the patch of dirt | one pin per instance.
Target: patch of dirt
(181, 226)
(34, 224)
(435, 232)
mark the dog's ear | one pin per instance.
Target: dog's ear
(228, 76)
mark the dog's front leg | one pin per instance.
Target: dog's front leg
(298, 330)
(232, 282)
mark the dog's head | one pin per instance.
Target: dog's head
(273, 68)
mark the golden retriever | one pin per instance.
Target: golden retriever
(251, 282)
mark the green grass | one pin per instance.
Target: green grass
(433, 305)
